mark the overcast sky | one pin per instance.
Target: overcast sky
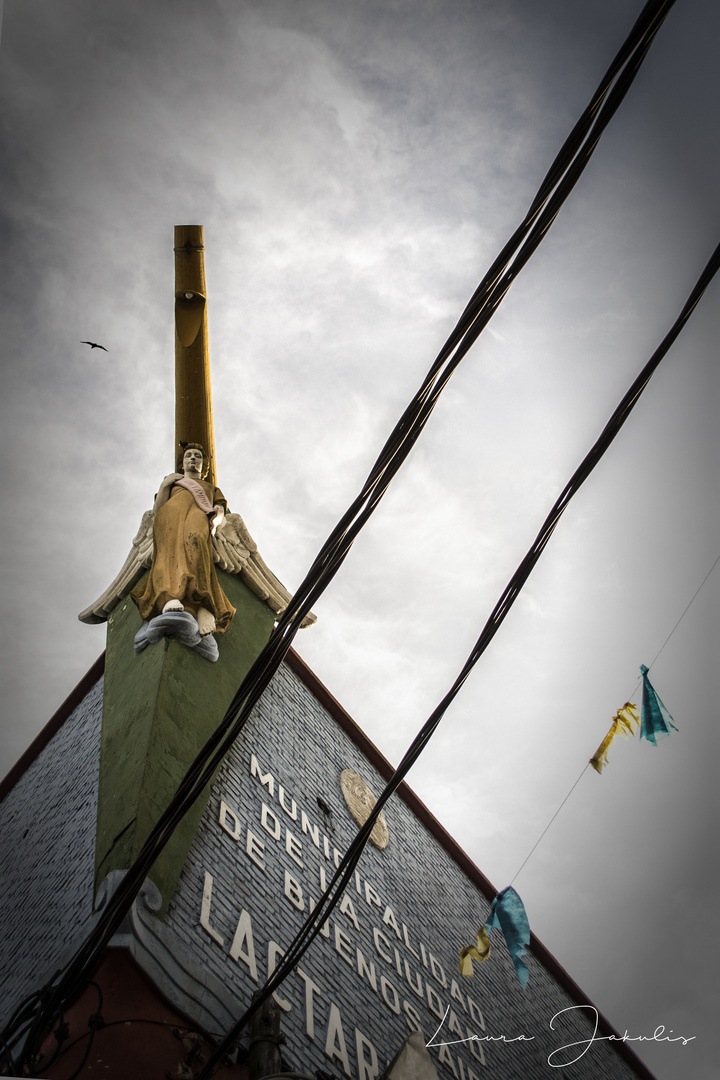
(356, 167)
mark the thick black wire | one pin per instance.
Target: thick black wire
(92, 1032)
(61, 1037)
(171, 1024)
(345, 870)
(561, 178)
(6, 1058)
(17, 1018)
(22, 1020)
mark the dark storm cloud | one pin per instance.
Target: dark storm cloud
(356, 168)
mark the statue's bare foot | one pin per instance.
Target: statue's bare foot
(205, 621)
(173, 605)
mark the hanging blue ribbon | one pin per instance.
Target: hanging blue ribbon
(508, 914)
(656, 720)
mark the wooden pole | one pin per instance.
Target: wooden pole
(193, 394)
(265, 1040)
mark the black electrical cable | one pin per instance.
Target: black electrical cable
(23, 1018)
(345, 870)
(62, 1034)
(7, 1061)
(17, 1019)
(95, 1021)
(561, 178)
(173, 1025)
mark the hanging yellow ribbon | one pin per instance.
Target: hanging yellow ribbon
(478, 952)
(624, 723)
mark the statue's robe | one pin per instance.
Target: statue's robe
(182, 562)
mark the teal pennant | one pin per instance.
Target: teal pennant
(656, 721)
(508, 914)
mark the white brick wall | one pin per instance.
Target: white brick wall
(47, 825)
(47, 853)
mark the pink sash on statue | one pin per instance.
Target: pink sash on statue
(197, 493)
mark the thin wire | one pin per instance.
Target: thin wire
(517, 872)
(684, 613)
(637, 687)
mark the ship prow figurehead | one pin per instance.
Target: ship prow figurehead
(170, 570)
(233, 551)
(192, 589)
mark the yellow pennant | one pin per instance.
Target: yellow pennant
(478, 952)
(624, 723)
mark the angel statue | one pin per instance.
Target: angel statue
(187, 513)
(188, 530)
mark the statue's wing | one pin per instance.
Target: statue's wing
(235, 551)
(137, 562)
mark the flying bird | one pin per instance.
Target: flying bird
(94, 345)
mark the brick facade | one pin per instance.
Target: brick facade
(388, 960)
(47, 854)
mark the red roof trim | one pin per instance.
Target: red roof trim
(386, 770)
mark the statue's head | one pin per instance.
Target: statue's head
(190, 452)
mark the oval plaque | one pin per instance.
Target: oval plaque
(360, 801)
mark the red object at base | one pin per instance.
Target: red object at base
(141, 1036)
